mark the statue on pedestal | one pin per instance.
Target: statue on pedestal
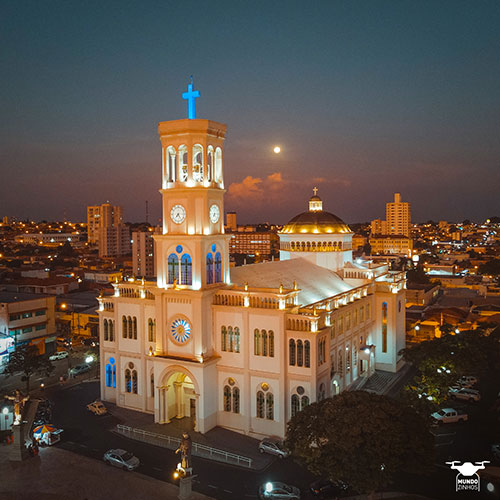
(185, 451)
(19, 401)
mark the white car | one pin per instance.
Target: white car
(97, 408)
(449, 416)
(464, 393)
(78, 369)
(275, 491)
(121, 458)
(273, 447)
(58, 355)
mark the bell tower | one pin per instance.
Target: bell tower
(193, 251)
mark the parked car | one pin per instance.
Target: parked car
(324, 488)
(97, 408)
(121, 458)
(273, 447)
(275, 491)
(464, 393)
(66, 342)
(495, 451)
(467, 381)
(449, 416)
(58, 355)
(79, 369)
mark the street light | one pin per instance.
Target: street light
(89, 360)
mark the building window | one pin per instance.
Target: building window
(236, 400)
(347, 360)
(152, 384)
(124, 327)
(271, 344)
(300, 353)
(368, 311)
(230, 337)
(236, 339)
(362, 313)
(384, 327)
(304, 401)
(256, 339)
(27, 315)
(227, 398)
(341, 325)
(128, 381)
(260, 404)
(223, 335)
(348, 321)
(134, 381)
(28, 329)
(264, 343)
(151, 330)
(40, 327)
(270, 406)
(129, 323)
(210, 269)
(111, 326)
(173, 268)
(186, 270)
(292, 353)
(217, 268)
(111, 373)
(40, 313)
(340, 364)
(307, 351)
(332, 330)
(295, 404)
(134, 328)
(106, 331)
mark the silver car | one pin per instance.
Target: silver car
(273, 447)
(121, 458)
(275, 491)
(464, 393)
(78, 369)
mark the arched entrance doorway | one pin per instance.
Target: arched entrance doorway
(178, 399)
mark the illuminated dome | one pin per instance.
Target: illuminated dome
(316, 220)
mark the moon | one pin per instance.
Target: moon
(277, 149)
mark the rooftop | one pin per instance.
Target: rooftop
(9, 297)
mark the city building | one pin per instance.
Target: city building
(48, 239)
(398, 219)
(26, 318)
(114, 241)
(264, 244)
(231, 224)
(395, 245)
(102, 216)
(143, 253)
(248, 347)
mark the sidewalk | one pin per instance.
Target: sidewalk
(222, 439)
(59, 474)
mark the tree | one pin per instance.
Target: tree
(361, 438)
(417, 275)
(27, 359)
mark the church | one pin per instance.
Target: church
(244, 348)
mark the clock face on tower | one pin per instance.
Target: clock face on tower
(178, 214)
(214, 213)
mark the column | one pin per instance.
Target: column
(178, 399)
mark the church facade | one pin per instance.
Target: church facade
(244, 348)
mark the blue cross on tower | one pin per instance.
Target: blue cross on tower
(190, 96)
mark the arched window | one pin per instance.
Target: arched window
(173, 268)
(230, 337)
(264, 343)
(134, 326)
(128, 381)
(270, 406)
(260, 405)
(111, 373)
(183, 163)
(271, 344)
(236, 400)
(198, 163)
(340, 364)
(227, 398)
(111, 326)
(236, 339)
(106, 331)
(384, 327)
(134, 381)
(304, 402)
(151, 330)
(130, 331)
(223, 338)
(210, 163)
(186, 270)
(256, 342)
(124, 327)
(292, 354)
(171, 164)
(218, 165)
(210, 269)
(217, 268)
(307, 354)
(295, 405)
(300, 353)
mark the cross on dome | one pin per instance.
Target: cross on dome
(190, 96)
(315, 191)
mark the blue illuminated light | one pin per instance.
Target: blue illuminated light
(178, 248)
(190, 96)
(213, 247)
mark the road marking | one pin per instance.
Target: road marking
(212, 486)
(227, 491)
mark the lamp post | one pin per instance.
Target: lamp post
(89, 360)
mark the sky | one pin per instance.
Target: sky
(365, 98)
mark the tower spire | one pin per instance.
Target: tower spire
(190, 96)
